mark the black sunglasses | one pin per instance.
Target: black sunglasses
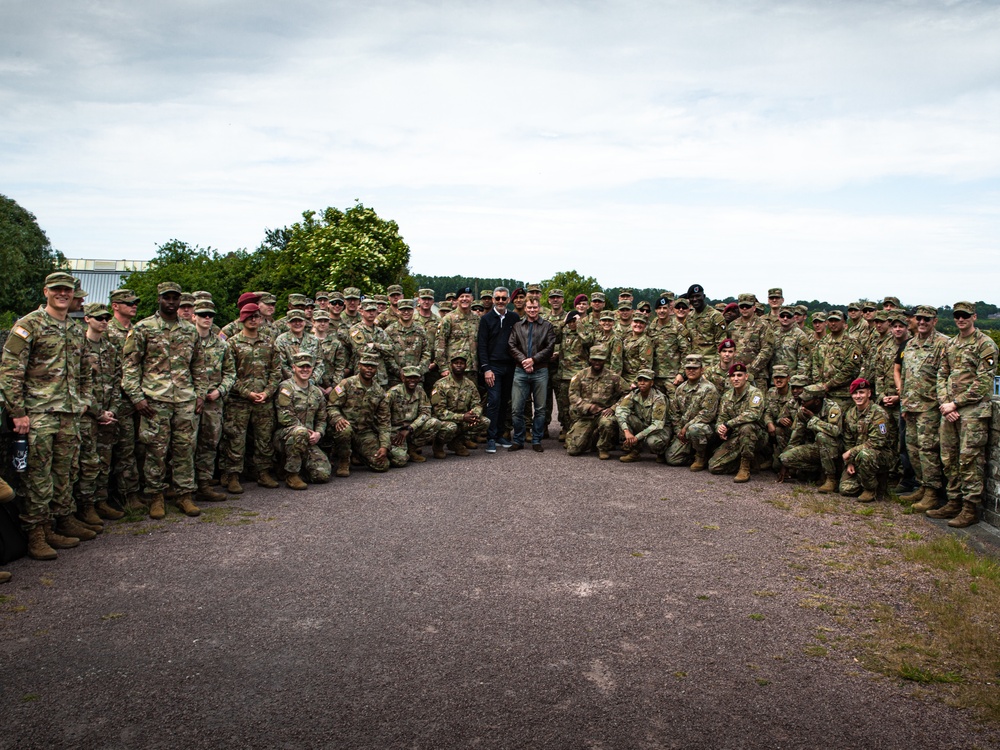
(784, 315)
(959, 315)
(924, 319)
(205, 314)
(499, 299)
(745, 307)
(106, 318)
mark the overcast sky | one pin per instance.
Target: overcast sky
(836, 149)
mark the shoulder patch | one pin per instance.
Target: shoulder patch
(882, 428)
(357, 337)
(338, 390)
(286, 391)
(755, 400)
(23, 332)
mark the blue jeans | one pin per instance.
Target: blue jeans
(535, 383)
(498, 399)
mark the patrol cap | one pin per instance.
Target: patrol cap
(882, 316)
(853, 306)
(60, 278)
(556, 293)
(187, 300)
(369, 304)
(801, 310)
(94, 309)
(426, 294)
(624, 293)
(78, 292)
(726, 344)
(798, 381)
(405, 304)
(894, 301)
(695, 289)
(394, 289)
(868, 306)
(321, 295)
(834, 315)
(608, 315)
(297, 299)
(761, 308)
(812, 393)
(247, 297)
(966, 307)
(123, 295)
(747, 298)
(168, 287)
(204, 306)
(371, 358)
(668, 294)
(786, 309)
(681, 302)
(692, 361)
(463, 290)
(488, 294)
(267, 299)
(722, 306)
(926, 310)
(336, 296)
(644, 306)
(599, 353)
(383, 298)
(597, 297)
(624, 304)
(460, 354)
(411, 371)
(320, 315)
(860, 383)
(249, 309)
(444, 306)
(295, 315)
(640, 317)
(352, 292)
(819, 317)
(448, 296)
(533, 288)
(737, 367)
(201, 295)
(779, 371)
(303, 358)
(645, 374)
(775, 292)
(477, 305)
(897, 316)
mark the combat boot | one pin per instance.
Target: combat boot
(472, 445)
(5, 576)
(929, 500)
(915, 496)
(187, 506)
(602, 454)
(232, 483)
(743, 475)
(415, 455)
(156, 507)
(699, 460)
(208, 495)
(967, 517)
(69, 526)
(458, 446)
(868, 496)
(86, 515)
(562, 436)
(106, 512)
(829, 486)
(630, 458)
(344, 466)
(57, 540)
(661, 458)
(438, 449)
(264, 479)
(294, 482)
(6, 492)
(134, 502)
(38, 545)
(949, 510)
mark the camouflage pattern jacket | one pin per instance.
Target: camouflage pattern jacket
(457, 332)
(410, 345)
(921, 359)
(829, 421)
(587, 389)
(300, 407)
(868, 430)
(220, 369)
(836, 361)
(966, 374)
(652, 411)
(695, 403)
(736, 409)
(793, 349)
(452, 398)
(406, 408)
(164, 362)
(257, 367)
(365, 407)
(106, 377)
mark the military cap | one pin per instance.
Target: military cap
(722, 306)
(881, 316)
(201, 294)
(668, 294)
(731, 307)
(966, 307)
(801, 310)
(897, 316)
(645, 374)
(662, 302)
(786, 309)
(853, 306)
(321, 295)
(297, 299)
(462, 290)
(640, 317)
(477, 305)
(371, 358)
(303, 358)
(411, 371)
(624, 305)
(696, 289)
(737, 367)
(556, 293)
(533, 288)
(644, 306)
(450, 296)
(608, 315)
(369, 304)
(352, 292)
(204, 306)
(320, 315)
(268, 299)
(726, 344)
(123, 295)
(383, 298)
(894, 301)
(834, 315)
(779, 371)
(812, 392)
(405, 304)
(295, 315)
(597, 297)
(79, 293)
(747, 298)
(247, 297)
(426, 294)
(693, 360)
(486, 294)
(60, 278)
(394, 289)
(444, 306)
(798, 381)
(460, 353)
(94, 309)
(859, 383)
(926, 310)
(336, 296)
(187, 299)
(168, 287)
(571, 316)
(868, 306)
(310, 302)
(625, 293)
(775, 292)
(681, 302)
(599, 352)
(819, 317)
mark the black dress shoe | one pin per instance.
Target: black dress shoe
(537, 447)
(516, 447)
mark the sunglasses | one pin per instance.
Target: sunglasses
(106, 318)
(337, 302)
(924, 319)
(205, 314)
(785, 315)
(304, 367)
(959, 315)
(133, 303)
(745, 307)
(499, 299)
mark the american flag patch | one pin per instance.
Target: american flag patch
(22, 332)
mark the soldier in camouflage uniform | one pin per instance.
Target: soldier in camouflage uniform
(458, 331)
(776, 420)
(366, 337)
(391, 314)
(339, 326)
(455, 400)
(638, 349)
(695, 406)
(816, 439)
(358, 414)
(234, 327)
(792, 345)
(921, 359)
(352, 304)
(672, 348)
(163, 373)
(836, 361)
(295, 302)
(220, 375)
(705, 326)
(573, 356)
(754, 339)
(409, 340)
(412, 424)
(591, 322)
(818, 328)
(46, 384)
(300, 410)
(250, 404)
(869, 453)
(428, 320)
(332, 359)
(718, 373)
(603, 334)
(297, 340)
(641, 417)
(740, 426)
(964, 388)
(593, 393)
(124, 464)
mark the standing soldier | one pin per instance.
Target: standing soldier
(638, 349)
(359, 415)
(301, 416)
(412, 424)
(332, 361)
(641, 417)
(573, 357)
(603, 334)
(706, 327)
(672, 348)
(249, 405)
(740, 426)
(163, 373)
(391, 314)
(696, 404)
(964, 387)
(836, 361)
(792, 345)
(297, 340)
(234, 327)
(367, 337)
(410, 344)
(124, 465)
(428, 320)
(753, 337)
(593, 393)
(220, 375)
(458, 331)
(866, 438)
(352, 303)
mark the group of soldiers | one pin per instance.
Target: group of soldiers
(125, 415)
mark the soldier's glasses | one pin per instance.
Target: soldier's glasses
(337, 302)
(205, 314)
(499, 299)
(106, 318)
(959, 315)
(924, 319)
(784, 315)
(745, 307)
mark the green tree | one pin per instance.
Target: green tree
(572, 284)
(26, 257)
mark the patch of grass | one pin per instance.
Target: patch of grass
(821, 505)
(30, 697)
(46, 581)
(756, 617)
(227, 516)
(680, 675)
(866, 511)
(113, 616)
(912, 536)
(815, 650)
(703, 597)
(4, 599)
(638, 554)
(762, 682)
(779, 504)
(917, 674)
(710, 527)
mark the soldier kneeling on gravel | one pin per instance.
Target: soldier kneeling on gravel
(641, 417)
(301, 413)
(412, 424)
(815, 441)
(869, 453)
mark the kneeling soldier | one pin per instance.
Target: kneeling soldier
(869, 454)
(593, 393)
(740, 426)
(642, 416)
(359, 414)
(814, 442)
(301, 412)
(455, 401)
(412, 423)
(696, 404)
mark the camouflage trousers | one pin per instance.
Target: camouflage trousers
(124, 462)
(240, 415)
(923, 444)
(561, 388)
(893, 412)
(698, 434)
(301, 456)
(824, 454)
(778, 442)
(963, 454)
(169, 436)
(364, 442)
(582, 434)
(431, 430)
(869, 464)
(53, 449)
(744, 442)
(608, 435)
(210, 423)
(96, 444)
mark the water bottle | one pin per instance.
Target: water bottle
(20, 455)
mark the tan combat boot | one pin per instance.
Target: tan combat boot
(562, 436)
(38, 546)
(415, 455)
(69, 526)
(156, 508)
(209, 495)
(187, 506)
(967, 517)
(86, 515)
(829, 486)
(294, 482)
(868, 496)
(914, 497)
(5, 576)
(949, 510)
(57, 540)
(344, 466)
(458, 446)
(232, 483)
(602, 454)
(106, 512)
(6, 492)
(630, 458)
(661, 458)
(438, 449)
(928, 500)
(264, 479)
(700, 463)
(743, 475)
(472, 445)
(135, 502)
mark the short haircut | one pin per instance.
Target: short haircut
(501, 289)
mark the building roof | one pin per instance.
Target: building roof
(100, 277)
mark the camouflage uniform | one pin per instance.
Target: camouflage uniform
(754, 346)
(705, 330)
(366, 339)
(793, 349)
(457, 332)
(866, 438)
(743, 414)
(299, 410)
(573, 357)
(411, 347)
(587, 390)
(98, 440)
(164, 364)
(594, 336)
(882, 363)
(220, 374)
(647, 417)
(414, 410)
(921, 359)
(836, 362)
(695, 408)
(288, 344)
(385, 319)
(43, 377)
(333, 356)
(452, 398)
(638, 353)
(257, 371)
(965, 377)
(367, 411)
(671, 349)
(815, 443)
(125, 466)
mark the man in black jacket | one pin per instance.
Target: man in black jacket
(531, 344)
(496, 365)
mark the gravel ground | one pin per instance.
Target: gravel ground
(516, 600)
